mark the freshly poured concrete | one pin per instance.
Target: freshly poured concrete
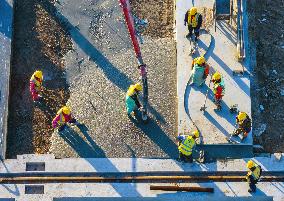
(221, 55)
(6, 14)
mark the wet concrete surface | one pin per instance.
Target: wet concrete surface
(99, 71)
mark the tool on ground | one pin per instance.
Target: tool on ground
(241, 72)
(182, 188)
(203, 108)
(234, 109)
(192, 46)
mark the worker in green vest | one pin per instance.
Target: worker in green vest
(193, 19)
(253, 175)
(186, 146)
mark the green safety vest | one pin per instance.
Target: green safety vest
(194, 21)
(256, 173)
(186, 146)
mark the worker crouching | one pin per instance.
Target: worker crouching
(36, 86)
(193, 19)
(131, 99)
(200, 71)
(253, 175)
(63, 116)
(186, 146)
(243, 123)
(218, 89)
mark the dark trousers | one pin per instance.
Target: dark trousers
(186, 159)
(252, 185)
(196, 31)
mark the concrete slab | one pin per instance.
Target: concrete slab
(116, 165)
(6, 15)
(223, 191)
(221, 55)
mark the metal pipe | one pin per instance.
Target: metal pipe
(143, 68)
(182, 188)
(130, 179)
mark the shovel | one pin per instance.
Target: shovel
(203, 108)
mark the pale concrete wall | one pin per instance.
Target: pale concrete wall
(6, 15)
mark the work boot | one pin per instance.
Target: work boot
(195, 39)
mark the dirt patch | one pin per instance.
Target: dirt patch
(39, 42)
(266, 28)
(160, 15)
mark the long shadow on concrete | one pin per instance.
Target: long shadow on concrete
(5, 17)
(112, 73)
(158, 136)
(92, 150)
(228, 70)
(16, 191)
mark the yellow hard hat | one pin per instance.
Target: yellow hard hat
(250, 164)
(193, 11)
(242, 116)
(138, 87)
(217, 76)
(196, 133)
(38, 74)
(200, 60)
(66, 110)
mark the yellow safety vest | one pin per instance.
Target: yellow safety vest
(131, 91)
(36, 82)
(194, 21)
(62, 118)
(256, 173)
(186, 146)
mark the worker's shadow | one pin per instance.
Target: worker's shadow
(84, 149)
(158, 136)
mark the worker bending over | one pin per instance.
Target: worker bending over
(199, 72)
(253, 175)
(36, 86)
(63, 116)
(218, 89)
(193, 19)
(186, 146)
(244, 125)
(131, 99)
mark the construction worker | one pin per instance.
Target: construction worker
(243, 122)
(200, 71)
(218, 89)
(253, 175)
(63, 116)
(131, 99)
(36, 85)
(186, 146)
(193, 19)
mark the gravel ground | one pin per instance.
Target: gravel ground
(99, 77)
(267, 34)
(39, 42)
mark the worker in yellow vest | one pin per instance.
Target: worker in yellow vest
(193, 19)
(36, 85)
(186, 146)
(62, 117)
(253, 175)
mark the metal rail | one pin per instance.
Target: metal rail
(182, 188)
(155, 177)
